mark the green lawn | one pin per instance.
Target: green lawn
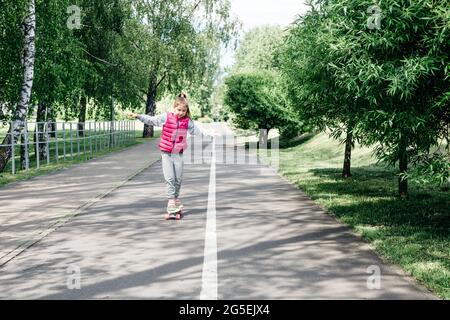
(412, 233)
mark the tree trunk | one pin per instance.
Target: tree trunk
(24, 149)
(150, 107)
(82, 116)
(51, 119)
(41, 147)
(403, 167)
(346, 172)
(29, 28)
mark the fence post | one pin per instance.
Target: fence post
(71, 141)
(78, 141)
(13, 164)
(95, 135)
(103, 143)
(37, 153)
(90, 138)
(119, 133)
(27, 159)
(112, 126)
(47, 142)
(64, 139)
(56, 141)
(84, 141)
(108, 127)
(111, 134)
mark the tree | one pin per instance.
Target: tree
(12, 14)
(256, 101)
(59, 65)
(257, 49)
(219, 110)
(387, 65)
(399, 67)
(203, 88)
(167, 43)
(103, 24)
(21, 112)
(258, 55)
(305, 63)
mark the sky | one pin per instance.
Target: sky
(253, 13)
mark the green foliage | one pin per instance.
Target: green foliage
(256, 100)
(392, 82)
(255, 89)
(60, 63)
(103, 24)
(131, 52)
(219, 110)
(430, 169)
(257, 50)
(175, 44)
(11, 48)
(119, 46)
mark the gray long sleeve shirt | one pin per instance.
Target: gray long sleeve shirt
(158, 121)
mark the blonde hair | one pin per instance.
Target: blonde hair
(181, 100)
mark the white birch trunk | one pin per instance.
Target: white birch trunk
(29, 29)
(29, 33)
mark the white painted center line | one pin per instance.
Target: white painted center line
(209, 274)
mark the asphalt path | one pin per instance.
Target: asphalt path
(247, 234)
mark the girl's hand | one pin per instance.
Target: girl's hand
(214, 134)
(133, 115)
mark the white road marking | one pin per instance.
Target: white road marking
(209, 274)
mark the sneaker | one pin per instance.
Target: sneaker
(171, 206)
(178, 203)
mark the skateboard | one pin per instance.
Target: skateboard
(176, 214)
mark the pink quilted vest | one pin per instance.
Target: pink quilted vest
(174, 134)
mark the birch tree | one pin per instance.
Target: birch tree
(20, 114)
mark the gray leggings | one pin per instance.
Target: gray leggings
(172, 164)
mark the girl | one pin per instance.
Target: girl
(176, 125)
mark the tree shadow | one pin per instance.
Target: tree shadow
(371, 196)
(286, 143)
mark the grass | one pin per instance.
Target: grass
(411, 232)
(76, 157)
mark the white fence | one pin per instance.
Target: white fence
(51, 142)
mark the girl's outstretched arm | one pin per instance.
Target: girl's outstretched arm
(156, 121)
(195, 129)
